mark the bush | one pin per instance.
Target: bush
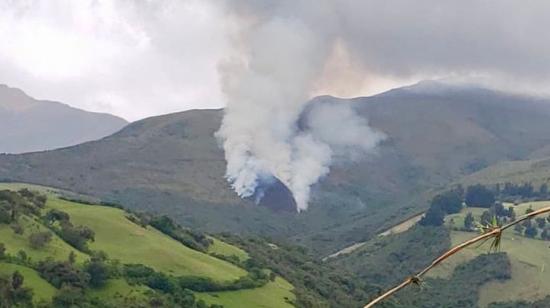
(469, 221)
(531, 232)
(6, 213)
(13, 293)
(189, 238)
(479, 196)
(56, 215)
(98, 272)
(541, 222)
(486, 218)
(17, 228)
(69, 297)
(40, 239)
(433, 217)
(198, 284)
(137, 271)
(78, 236)
(63, 274)
(450, 202)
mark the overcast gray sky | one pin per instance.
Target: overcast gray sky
(141, 58)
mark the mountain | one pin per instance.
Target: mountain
(28, 125)
(172, 164)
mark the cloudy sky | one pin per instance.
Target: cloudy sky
(141, 58)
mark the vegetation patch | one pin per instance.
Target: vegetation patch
(275, 294)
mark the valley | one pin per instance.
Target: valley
(215, 248)
(173, 165)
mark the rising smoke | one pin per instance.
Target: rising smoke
(267, 85)
(285, 52)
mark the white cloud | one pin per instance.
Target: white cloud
(131, 58)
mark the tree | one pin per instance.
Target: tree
(519, 229)
(486, 218)
(512, 213)
(469, 221)
(22, 255)
(63, 273)
(98, 271)
(68, 297)
(17, 228)
(17, 280)
(543, 190)
(531, 232)
(56, 215)
(541, 222)
(499, 209)
(76, 236)
(12, 292)
(450, 202)
(40, 239)
(5, 212)
(72, 257)
(433, 217)
(2, 251)
(479, 196)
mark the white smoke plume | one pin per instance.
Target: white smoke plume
(267, 86)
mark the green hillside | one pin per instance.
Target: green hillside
(43, 291)
(530, 260)
(521, 267)
(267, 296)
(536, 171)
(129, 243)
(137, 263)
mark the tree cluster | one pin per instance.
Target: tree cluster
(76, 236)
(13, 293)
(449, 202)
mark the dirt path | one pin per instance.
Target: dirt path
(399, 228)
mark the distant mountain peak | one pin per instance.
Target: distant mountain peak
(28, 125)
(14, 99)
(438, 87)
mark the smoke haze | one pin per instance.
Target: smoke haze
(264, 60)
(267, 86)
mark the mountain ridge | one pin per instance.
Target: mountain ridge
(172, 164)
(30, 125)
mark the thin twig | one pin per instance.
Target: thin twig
(495, 232)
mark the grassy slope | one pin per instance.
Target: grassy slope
(56, 248)
(42, 289)
(536, 171)
(17, 186)
(530, 259)
(272, 295)
(126, 241)
(222, 248)
(117, 287)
